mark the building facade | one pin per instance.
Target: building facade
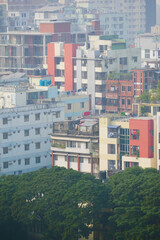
(24, 135)
(74, 68)
(127, 142)
(75, 144)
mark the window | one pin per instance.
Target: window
(38, 159)
(128, 102)
(5, 135)
(129, 89)
(81, 159)
(37, 131)
(147, 53)
(135, 134)
(82, 104)
(135, 59)
(5, 165)
(87, 145)
(135, 151)
(5, 150)
(26, 132)
(154, 53)
(111, 148)
(71, 144)
(5, 121)
(72, 159)
(79, 145)
(26, 118)
(26, 147)
(111, 164)
(37, 116)
(123, 88)
(69, 106)
(19, 162)
(26, 161)
(57, 114)
(38, 145)
(158, 53)
(123, 101)
(123, 61)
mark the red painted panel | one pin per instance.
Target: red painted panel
(62, 27)
(145, 141)
(46, 27)
(51, 62)
(69, 53)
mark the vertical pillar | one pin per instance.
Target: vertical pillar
(78, 162)
(91, 164)
(52, 159)
(67, 161)
(130, 164)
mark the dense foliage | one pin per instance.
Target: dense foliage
(64, 205)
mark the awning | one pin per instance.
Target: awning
(114, 126)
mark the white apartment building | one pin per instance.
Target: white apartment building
(24, 136)
(149, 44)
(75, 144)
(141, 15)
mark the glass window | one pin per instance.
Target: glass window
(82, 104)
(135, 151)
(37, 116)
(37, 145)
(147, 53)
(135, 134)
(5, 135)
(111, 164)
(5, 165)
(5, 121)
(26, 147)
(19, 162)
(69, 106)
(26, 118)
(111, 149)
(38, 159)
(26, 161)
(26, 132)
(123, 88)
(58, 114)
(5, 150)
(37, 131)
(129, 89)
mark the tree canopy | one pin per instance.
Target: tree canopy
(65, 204)
(136, 204)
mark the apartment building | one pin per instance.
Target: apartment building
(24, 136)
(30, 5)
(74, 68)
(27, 50)
(141, 15)
(127, 142)
(18, 20)
(123, 88)
(120, 93)
(75, 144)
(3, 15)
(150, 45)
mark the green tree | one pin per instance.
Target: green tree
(64, 204)
(9, 228)
(136, 204)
